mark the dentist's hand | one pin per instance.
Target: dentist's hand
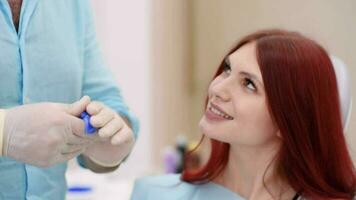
(45, 134)
(117, 138)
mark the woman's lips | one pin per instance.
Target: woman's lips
(214, 113)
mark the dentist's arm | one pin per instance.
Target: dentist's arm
(99, 83)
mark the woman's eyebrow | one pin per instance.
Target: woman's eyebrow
(227, 61)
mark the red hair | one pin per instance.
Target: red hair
(303, 99)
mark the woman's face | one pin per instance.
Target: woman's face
(237, 110)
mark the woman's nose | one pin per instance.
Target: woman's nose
(220, 90)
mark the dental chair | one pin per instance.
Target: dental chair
(344, 87)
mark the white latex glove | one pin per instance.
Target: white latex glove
(45, 134)
(117, 138)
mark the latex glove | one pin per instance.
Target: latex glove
(117, 138)
(45, 134)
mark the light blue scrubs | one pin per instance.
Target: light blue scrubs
(172, 188)
(54, 57)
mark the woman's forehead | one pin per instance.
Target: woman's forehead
(244, 60)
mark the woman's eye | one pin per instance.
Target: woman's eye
(227, 68)
(249, 84)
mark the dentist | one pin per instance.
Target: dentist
(49, 60)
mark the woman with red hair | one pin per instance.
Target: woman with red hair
(274, 119)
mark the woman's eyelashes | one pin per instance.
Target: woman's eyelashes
(226, 68)
(249, 84)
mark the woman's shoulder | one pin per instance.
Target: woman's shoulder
(161, 187)
(173, 188)
(160, 180)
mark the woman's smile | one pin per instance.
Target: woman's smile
(215, 113)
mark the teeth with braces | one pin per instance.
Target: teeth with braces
(217, 112)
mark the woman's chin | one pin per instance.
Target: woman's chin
(203, 125)
(209, 130)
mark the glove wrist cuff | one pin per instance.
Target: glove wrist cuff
(103, 164)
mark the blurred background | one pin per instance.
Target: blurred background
(163, 54)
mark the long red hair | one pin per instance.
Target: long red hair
(303, 99)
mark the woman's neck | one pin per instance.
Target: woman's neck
(251, 172)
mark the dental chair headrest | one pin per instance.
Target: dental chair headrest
(344, 87)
